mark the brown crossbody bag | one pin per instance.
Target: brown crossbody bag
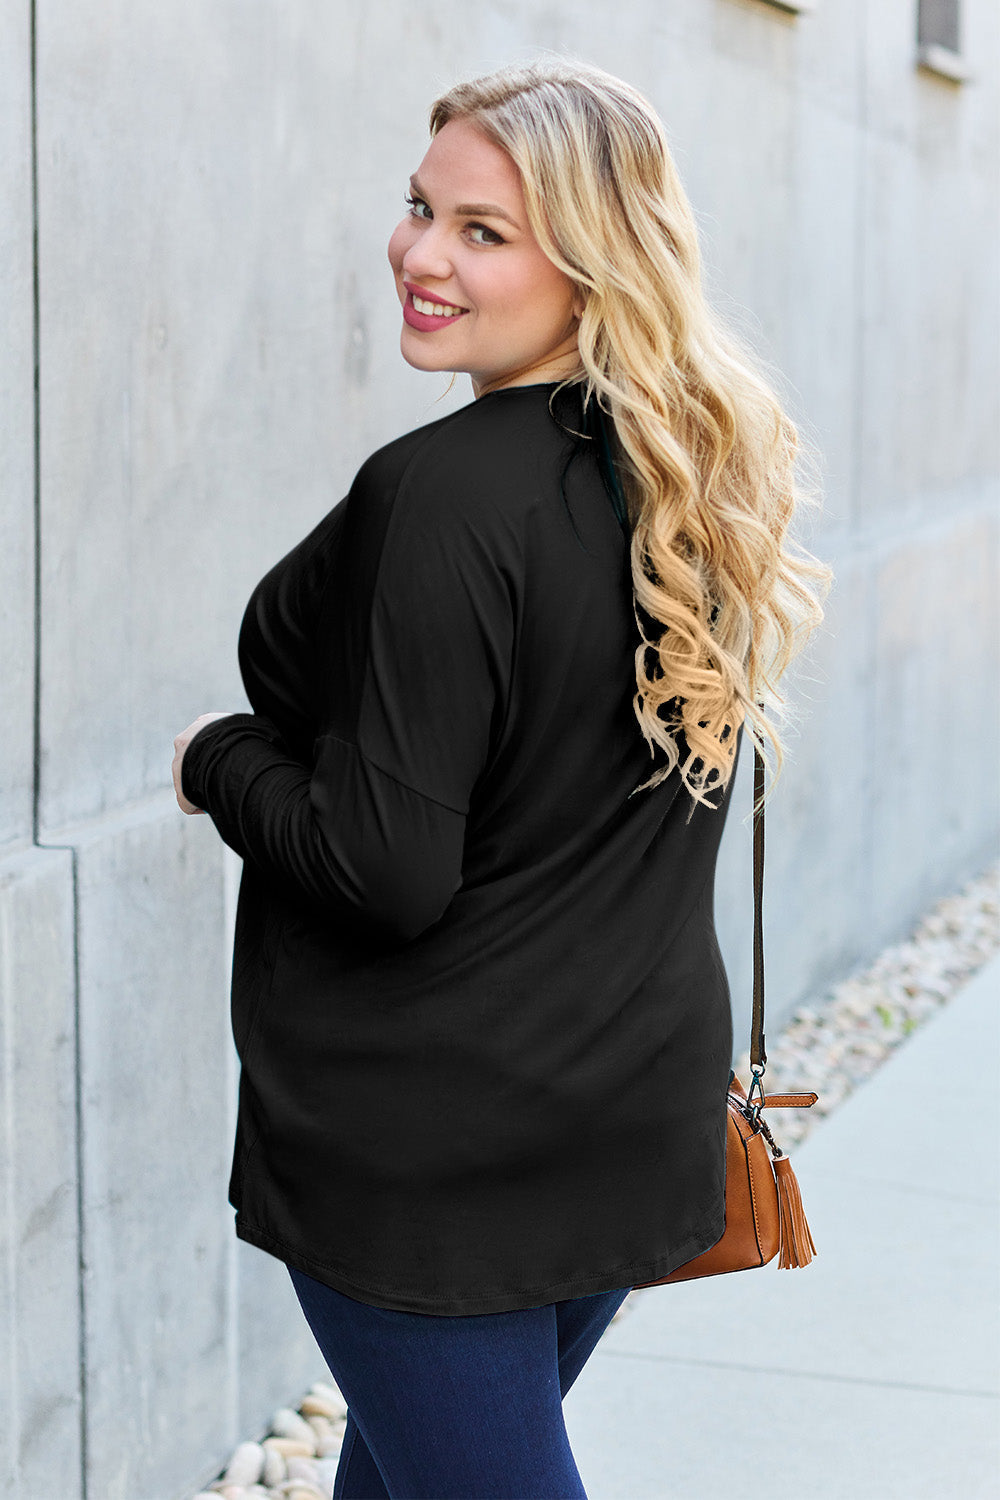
(764, 1215)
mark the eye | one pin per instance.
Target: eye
(411, 203)
(495, 239)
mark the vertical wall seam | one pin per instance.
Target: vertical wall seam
(36, 435)
(37, 727)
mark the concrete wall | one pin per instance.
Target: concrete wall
(217, 338)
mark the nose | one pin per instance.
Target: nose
(427, 258)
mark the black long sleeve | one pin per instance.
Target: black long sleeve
(415, 636)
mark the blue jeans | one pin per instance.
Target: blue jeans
(455, 1408)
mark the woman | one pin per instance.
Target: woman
(482, 1016)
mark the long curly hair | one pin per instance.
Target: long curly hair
(706, 458)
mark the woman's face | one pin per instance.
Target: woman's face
(465, 245)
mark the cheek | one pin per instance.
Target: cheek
(400, 241)
(531, 291)
(500, 287)
(554, 293)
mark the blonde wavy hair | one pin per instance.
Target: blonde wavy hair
(704, 454)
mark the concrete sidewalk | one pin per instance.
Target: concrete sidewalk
(870, 1374)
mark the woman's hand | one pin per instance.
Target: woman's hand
(180, 745)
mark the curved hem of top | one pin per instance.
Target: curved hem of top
(586, 1286)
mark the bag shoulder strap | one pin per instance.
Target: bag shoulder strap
(758, 1057)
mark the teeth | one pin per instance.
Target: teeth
(436, 309)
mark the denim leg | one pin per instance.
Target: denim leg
(453, 1408)
(580, 1322)
(358, 1475)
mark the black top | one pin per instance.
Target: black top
(482, 1016)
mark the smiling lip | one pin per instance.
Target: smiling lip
(427, 322)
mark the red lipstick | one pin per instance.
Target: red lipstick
(427, 322)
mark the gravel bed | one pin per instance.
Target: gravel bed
(831, 1045)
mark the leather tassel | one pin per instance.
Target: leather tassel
(796, 1247)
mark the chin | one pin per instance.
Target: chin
(420, 358)
(416, 362)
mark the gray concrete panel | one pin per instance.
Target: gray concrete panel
(890, 746)
(17, 427)
(39, 1313)
(817, 908)
(936, 725)
(156, 1264)
(930, 211)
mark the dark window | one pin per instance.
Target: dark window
(938, 24)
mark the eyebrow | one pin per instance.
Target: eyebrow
(492, 210)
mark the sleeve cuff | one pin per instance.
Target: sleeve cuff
(195, 756)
